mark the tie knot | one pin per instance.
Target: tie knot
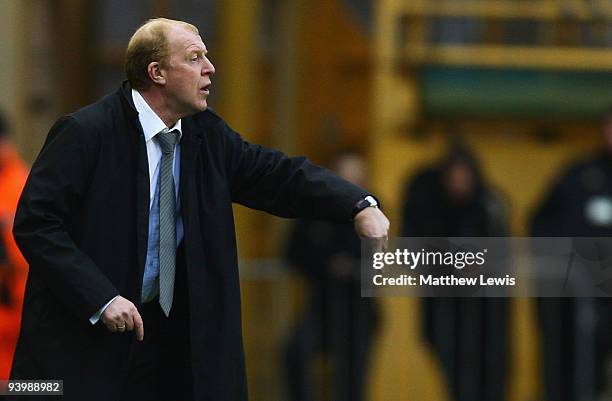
(167, 140)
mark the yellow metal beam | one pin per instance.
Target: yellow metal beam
(509, 56)
(507, 9)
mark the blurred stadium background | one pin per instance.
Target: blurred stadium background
(525, 83)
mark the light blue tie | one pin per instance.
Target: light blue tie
(167, 220)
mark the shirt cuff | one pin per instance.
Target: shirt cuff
(96, 316)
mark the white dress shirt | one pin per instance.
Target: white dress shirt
(151, 125)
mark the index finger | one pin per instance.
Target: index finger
(138, 326)
(379, 244)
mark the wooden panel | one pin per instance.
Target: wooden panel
(334, 85)
(73, 22)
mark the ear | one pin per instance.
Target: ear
(156, 73)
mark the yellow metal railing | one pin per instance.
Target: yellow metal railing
(540, 57)
(509, 9)
(559, 19)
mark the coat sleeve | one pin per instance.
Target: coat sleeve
(52, 195)
(266, 179)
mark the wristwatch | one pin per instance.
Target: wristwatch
(368, 201)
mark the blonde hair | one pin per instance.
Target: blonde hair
(148, 44)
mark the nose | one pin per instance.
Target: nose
(208, 68)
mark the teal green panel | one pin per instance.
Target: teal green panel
(453, 92)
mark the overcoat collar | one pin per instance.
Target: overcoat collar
(126, 97)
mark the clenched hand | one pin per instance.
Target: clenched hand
(122, 315)
(372, 224)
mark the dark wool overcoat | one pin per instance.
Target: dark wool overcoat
(82, 224)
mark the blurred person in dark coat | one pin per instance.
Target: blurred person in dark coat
(337, 322)
(469, 336)
(578, 204)
(13, 267)
(126, 222)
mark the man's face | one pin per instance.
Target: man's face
(459, 182)
(188, 72)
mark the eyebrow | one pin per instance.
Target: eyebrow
(198, 52)
(197, 49)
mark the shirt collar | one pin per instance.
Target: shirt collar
(150, 122)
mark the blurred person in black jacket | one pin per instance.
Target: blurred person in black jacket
(577, 333)
(469, 336)
(337, 322)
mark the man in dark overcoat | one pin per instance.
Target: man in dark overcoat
(126, 222)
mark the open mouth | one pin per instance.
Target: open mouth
(206, 89)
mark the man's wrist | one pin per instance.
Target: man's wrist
(364, 203)
(96, 316)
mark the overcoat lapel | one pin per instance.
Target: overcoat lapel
(139, 148)
(190, 146)
(190, 151)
